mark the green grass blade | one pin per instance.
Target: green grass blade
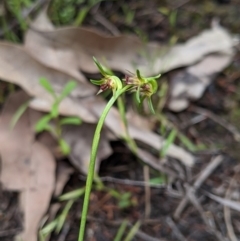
(71, 121)
(63, 216)
(65, 148)
(42, 124)
(121, 231)
(48, 229)
(68, 88)
(72, 195)
(47, 86)
(17, 115)
(168, 142)
(133, 231)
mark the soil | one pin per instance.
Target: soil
(201, 220)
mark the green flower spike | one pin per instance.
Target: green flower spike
(108, 81)
(144, 87)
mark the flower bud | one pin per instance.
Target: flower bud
(144, 87)
(108, 81)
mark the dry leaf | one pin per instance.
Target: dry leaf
(79, 138)
(75, 47)
(27, 167)
(18, 67)
(36, 198)
(63, 174)
(15, 145)
(189, 84)
(88, 108)
(113, 122)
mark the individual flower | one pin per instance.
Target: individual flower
(108, 81)
(144, 87)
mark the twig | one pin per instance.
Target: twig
(227, 202)
(232, 129)
(175, 229)
(195, 120)
(127, 182)
(181, 4)
(201, 178)
(25, 13)
(10, 232)
(64, 232)
(192, 197)
(153, 162)
(102, 20)
(147, 191)
(227, 212)
(147, 237)
(139, 233)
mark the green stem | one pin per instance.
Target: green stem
(130, 142)
(91, 169)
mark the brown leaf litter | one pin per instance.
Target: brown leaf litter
(27, 166)
(65, 53)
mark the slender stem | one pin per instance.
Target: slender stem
(91, 169)
(131, 143)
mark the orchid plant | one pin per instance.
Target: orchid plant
(143, 87)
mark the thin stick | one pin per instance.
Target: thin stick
(201, 178)
(128, 182)
(175, 229)
(227, 211)
(147, 191)
(232, 129)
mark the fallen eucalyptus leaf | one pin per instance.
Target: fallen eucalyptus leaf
(18, 67)
(27, 166)
(113, 122)
(189, 84)
(79, 138)
(75, 47)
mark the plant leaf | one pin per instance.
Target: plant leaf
(121, 231)
(72, 195)
(71, 121)
(54, 110)
(133, 231)
(42, 124)
(169, 141)
(47, 86)
(18, 114)
(139, 75)
(67, 89)
(63, 216)
(65, 148)
(48, 228)
(100, 67)
(97, 82)
(150, 105)
(138, 95)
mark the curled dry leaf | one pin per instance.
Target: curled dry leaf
(75, 47)
(189, 84)
(82, 102)
(87, 108)
(27, 166)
